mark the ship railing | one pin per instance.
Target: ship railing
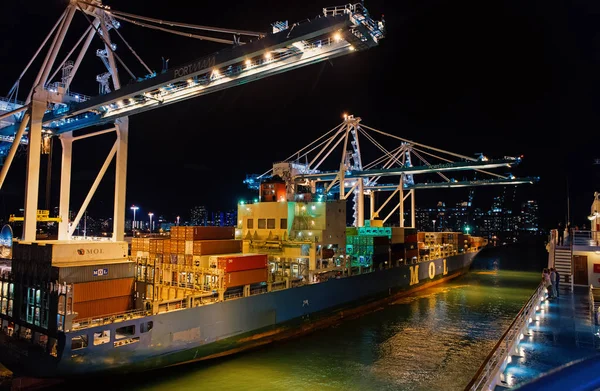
(172, 305)
(488, 375)
(234, 295)
(585, 238)
(276, 286)
(258, 291)
(86, 323)
(594, 303)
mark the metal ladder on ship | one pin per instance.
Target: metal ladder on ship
(563, 256)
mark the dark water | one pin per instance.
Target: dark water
(434, 340)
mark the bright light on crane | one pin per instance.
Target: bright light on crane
(248, 63)
(268, 56)
(337, 37)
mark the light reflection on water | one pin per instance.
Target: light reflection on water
(433, 340)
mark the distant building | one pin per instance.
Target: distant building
(500, 224)
(198, 216)
(529, 217)
(231, 218)
(223, 219)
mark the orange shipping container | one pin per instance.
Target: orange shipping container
(175, 232)
(156, 245)
(213, 233)
(245, 277)
(213, 247)
(167, 246)
(180, 243)
(97, 290)
(188, 233)
(103, 307)
(134, 245)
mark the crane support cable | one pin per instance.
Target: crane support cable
(297, 153)
(39, 49)
(388, 154)
(391, 155)
(176, 24)
(70, 53)
(381, 159)
(132, 51)
(190, 26)
(450, 161)
(200, 37)
(106, 43)
(422, 145)
(429, 165)
(16, 85)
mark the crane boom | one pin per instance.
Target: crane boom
(339, 31)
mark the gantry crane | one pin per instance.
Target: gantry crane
(53, 109)
(352, 177)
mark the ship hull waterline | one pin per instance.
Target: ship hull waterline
(226, 328)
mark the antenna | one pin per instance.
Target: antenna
(568, 203)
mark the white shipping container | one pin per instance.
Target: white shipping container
(189, 247)
(77, 250)
(201, 261)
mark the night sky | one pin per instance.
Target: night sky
(499, 78)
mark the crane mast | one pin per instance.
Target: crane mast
(52, 108)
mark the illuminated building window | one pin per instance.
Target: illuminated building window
(270, 223)
(262, 223)
(283, 224)
(250, 223)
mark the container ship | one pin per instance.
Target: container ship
(290, 266)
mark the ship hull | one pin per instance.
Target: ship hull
(232, 326)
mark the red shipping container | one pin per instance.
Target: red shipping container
(215, 247)
(243, 262)
(244, 277)
(212, 233)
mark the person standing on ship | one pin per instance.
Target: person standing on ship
(561, 234)
(556, 283)
(553, 281)
(547, 283)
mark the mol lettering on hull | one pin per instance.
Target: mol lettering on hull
(432, 271)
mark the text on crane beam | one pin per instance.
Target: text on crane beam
(195, 67)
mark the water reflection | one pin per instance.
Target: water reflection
(434, 340)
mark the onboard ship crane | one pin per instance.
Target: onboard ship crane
(353, 177)
(53, 109)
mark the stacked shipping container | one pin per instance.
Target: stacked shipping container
(243, 269)
(367, 250)
(102, 298)
(178, 265)
(50, 275)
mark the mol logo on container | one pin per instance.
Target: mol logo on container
(89, 251)
(100, 272)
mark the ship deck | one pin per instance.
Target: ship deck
(564, 330)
